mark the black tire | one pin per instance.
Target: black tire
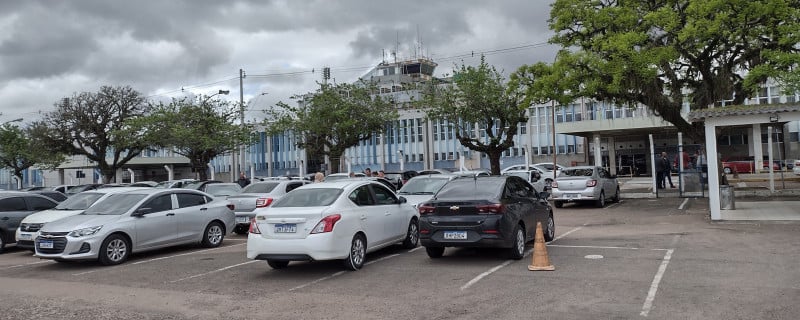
(550, 228)
(213, 235)
(615, 199)
(240, 230)
(601, 201)
(358, 253)
(2, 242)
(517, 250)
(558, 204)
(412, 235)
(115, 250)
(435, 252)
(278, 264)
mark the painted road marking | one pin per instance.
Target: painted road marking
(341, 273)
(214, 271)
(155, 259)
(26, 264)
(651, 295)
(683, 204)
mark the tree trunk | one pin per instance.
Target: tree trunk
(494, 161)
(201, 170)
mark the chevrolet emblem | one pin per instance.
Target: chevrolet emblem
(454, 208)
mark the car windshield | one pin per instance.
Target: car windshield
(313, 197)
(577, 172)
(425, 185)
(163, 184)
(522, 174)
(219, 189)
(79, 201)
(115, 204)
(261, 187)
(474, 189)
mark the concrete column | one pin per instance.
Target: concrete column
(170, 172)
(612, 155)
(133, 177)
(598, 156)
(758, 150)
(211, 171)
(713, 170)
(759, 162)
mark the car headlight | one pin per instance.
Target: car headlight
(84, 232)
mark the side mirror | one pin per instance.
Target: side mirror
(141, 211)
(402, 200)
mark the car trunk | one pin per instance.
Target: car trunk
(246, 202)
(571, 183)
(289, 223)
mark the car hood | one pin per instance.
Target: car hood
(79, 222)
(49, 216)
(415, 199)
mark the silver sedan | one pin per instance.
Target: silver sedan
(137, 221)
(585, 183)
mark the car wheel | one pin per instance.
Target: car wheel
(412, 236)
(278, 264)
(240, 230)
(616, 196)
(213, 235)
(727, 170)
(518, 249)
(2, 243)
(550, 233)
(358, 252)
(601, 201)
(435, 252)
(558, 204)
(114, 250)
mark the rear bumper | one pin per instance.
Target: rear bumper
(324, 246)
(490, 231)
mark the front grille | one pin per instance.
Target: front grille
(53, 234)
(30, 227)
(59, 243)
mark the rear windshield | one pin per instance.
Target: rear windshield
(424, 185)
(266, 187)
(473, 189)
(577, 172)
(313, 197)
(80, 201)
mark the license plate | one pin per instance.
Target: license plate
(242, 220)
(286, 228)
(46, 244)
(25, 236)
(455, 235)
(573, 195)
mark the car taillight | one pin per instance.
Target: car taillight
(554, 184)
(326, 224)
(254, 227)
(230, 206)
(263, 202)
(591, 183)
(494, 208)
(426, 209)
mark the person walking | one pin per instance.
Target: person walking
(243, 180)
(666, 171)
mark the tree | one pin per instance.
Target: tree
(334, 118)
(93, 125)
(199, 131)
(656, 52)
(478, 96)
(19, 150)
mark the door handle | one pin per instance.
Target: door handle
(387, 213)
(203, 209)
(363, 217)
(170, 214)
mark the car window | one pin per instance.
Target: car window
(115, 204)
(13, 204)
(383, 195)
(315, 197)
(361, 197)
(577, 172)
(266, 187)
(522, 188)
(293, 185)
(159, 203)
(38, 203)
(190, 200)
(80, 201)
(478, 189)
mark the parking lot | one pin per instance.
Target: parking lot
(654, 258)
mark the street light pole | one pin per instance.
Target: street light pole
(243, 164)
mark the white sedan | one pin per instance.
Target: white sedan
(332, 220)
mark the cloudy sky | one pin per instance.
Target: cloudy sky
(53, 49)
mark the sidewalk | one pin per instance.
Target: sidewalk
(753, 199)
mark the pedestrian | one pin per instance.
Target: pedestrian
(319, 177)
(367, 172)
(381, 174)
(243, 180)
(666, 172)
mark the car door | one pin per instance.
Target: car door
(372, 218)
(396, 218)
(520, 194)
(12, 211)
(156, 224)
(605, 179)
(193, 216)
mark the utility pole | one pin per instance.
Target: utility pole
(242, 159)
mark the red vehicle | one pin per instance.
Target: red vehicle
(745, 165)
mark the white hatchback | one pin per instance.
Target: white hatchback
(332, 220)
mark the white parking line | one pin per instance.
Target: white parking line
(614, 204)
(381, 259)
(318, 280)
(415, 249)
(565, 234)
(26, 264)
(605, 247)
(156, 259)
(214, 271)
(651, 295)
(683, 204)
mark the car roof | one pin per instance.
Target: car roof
(14, 193)
(115, 190)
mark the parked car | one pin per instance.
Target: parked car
(548, 167)
(473, 173)
(400, 178)
(539, 180)
(796, 167)
(175, 183)
(55, 195)
(29, 227)
(332, 220)
(343, 175)
(136, 221)
(147, 184)
(516, 167)
(585, 183)
(436, 171)
(422, 188)
(223, 190)
(83, 187)
(15, 206)
(199, 185)
(746, 165)
(257, 196)
(493, 211)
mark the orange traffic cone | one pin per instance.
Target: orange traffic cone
(540, 260)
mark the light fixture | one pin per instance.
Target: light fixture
(774, 118)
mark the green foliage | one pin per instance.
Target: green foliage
(20, 151)
(199, 131)
(93, 125)
(334, 118)
(652, 52)
(478, 96)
